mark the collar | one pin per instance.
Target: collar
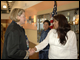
(47, 29)
(16, 23)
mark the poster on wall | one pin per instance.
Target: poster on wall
(30, 20)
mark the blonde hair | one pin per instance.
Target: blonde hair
(16, 12)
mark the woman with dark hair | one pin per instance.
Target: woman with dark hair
(62, 40)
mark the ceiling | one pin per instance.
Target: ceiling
(8, 5)
(24, 4)
(17, 4)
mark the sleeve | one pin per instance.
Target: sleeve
(13, 50)
(43, 44)
(47, 47)
(73, 46)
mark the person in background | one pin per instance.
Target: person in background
(15, 46)
(62, 40)
(43, 54)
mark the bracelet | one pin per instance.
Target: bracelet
(27, 53)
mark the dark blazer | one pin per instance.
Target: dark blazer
(15, 42)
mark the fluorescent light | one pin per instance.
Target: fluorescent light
(9, 1)
(4, 6)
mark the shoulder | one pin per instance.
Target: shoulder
(71, 33)
(52, 31)
(12, 30)
(42, 30)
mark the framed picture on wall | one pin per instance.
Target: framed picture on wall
(30, 20)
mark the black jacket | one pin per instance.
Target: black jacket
(14, 43)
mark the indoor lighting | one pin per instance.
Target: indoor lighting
(76, 21)
(34, 18)
(4, 6)
(9, 1)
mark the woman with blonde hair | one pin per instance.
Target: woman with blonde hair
(15, 46)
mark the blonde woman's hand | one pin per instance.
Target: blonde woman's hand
(31, 51)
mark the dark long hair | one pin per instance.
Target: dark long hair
(63, 28)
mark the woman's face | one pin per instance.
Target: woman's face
(22, 18)
(55, 23)
(46, 26)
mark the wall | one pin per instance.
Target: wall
(32, 35)
(4, 16)
(24, 4)
(31, 26)
(61, 7)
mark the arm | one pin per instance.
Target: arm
(13, 50)
(43, 44)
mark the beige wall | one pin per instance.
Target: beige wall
(24, 4)
(32, 35)
(61, 8)
(4, 16)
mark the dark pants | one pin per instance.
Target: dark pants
(43, 55)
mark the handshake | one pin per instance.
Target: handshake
(32, 51)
